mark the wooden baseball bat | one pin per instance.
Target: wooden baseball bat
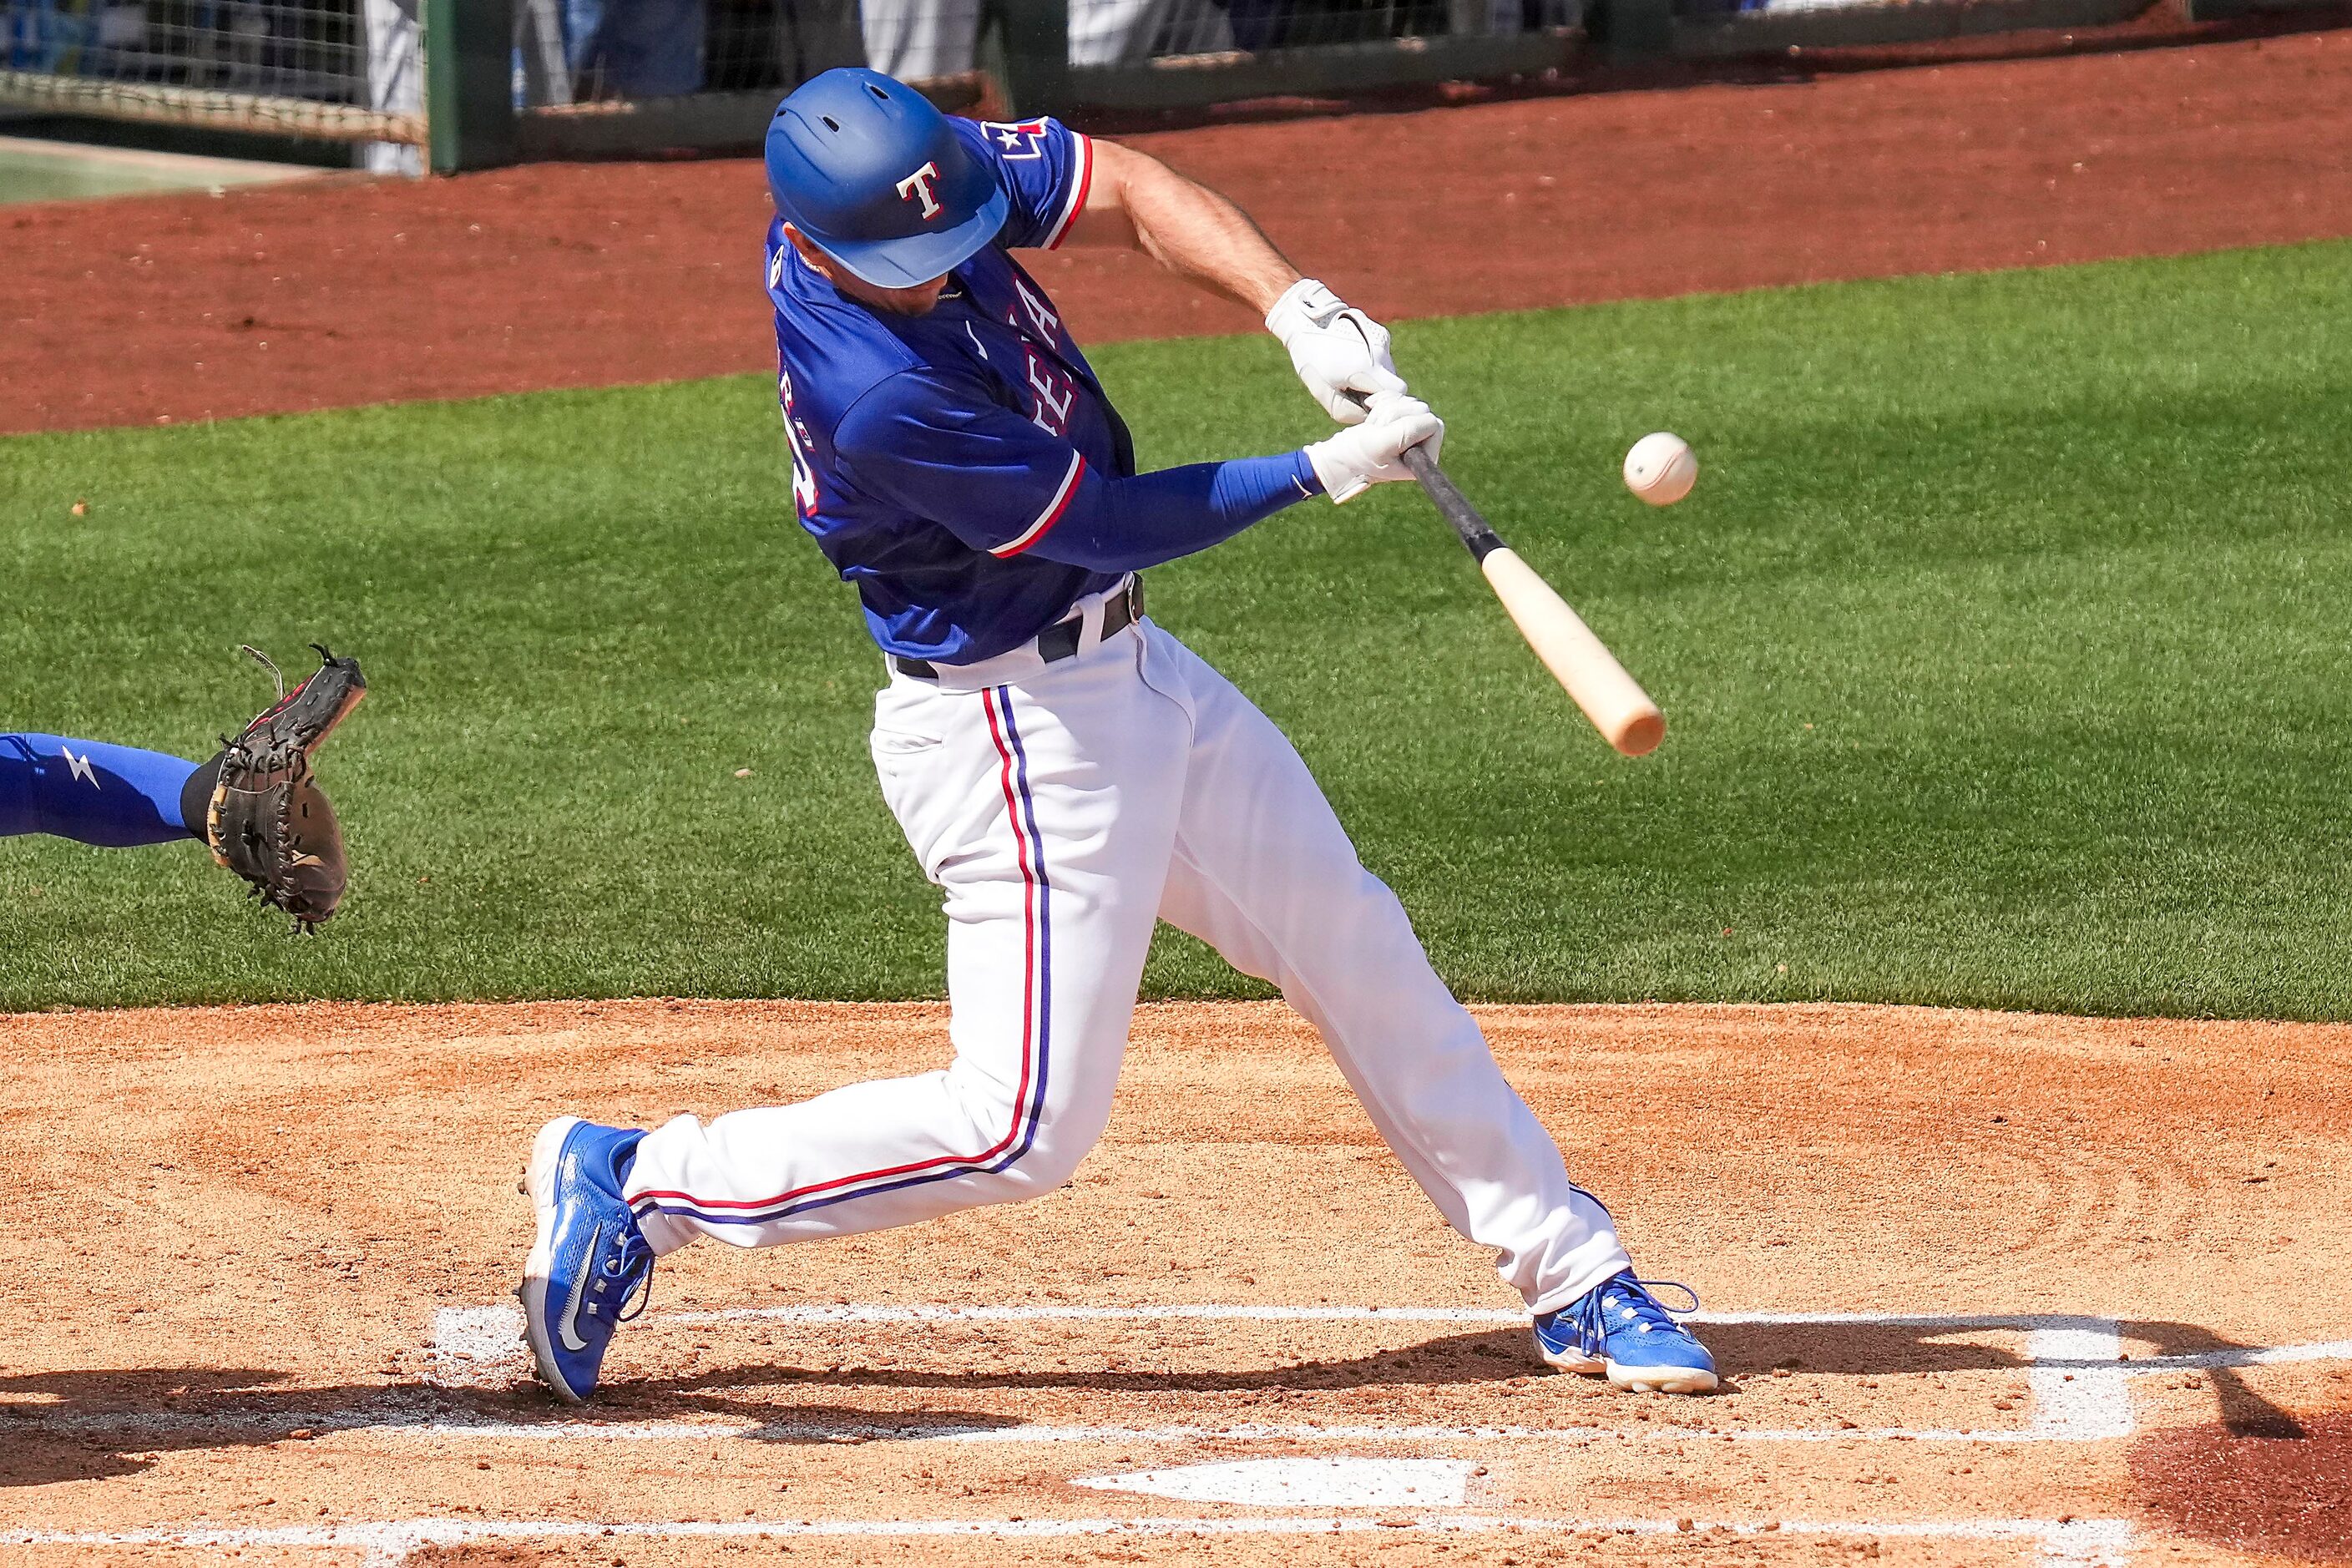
(1580, 661)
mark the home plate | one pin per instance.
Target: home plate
(1303, 1483)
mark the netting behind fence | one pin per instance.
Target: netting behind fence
(1109, 32)
(661, 48)
(302, 67)
(584, 51)
(593, 77)
(604, 76)
(616, 77)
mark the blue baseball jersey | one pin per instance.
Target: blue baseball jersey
(933, 454)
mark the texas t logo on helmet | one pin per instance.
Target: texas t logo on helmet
(839, 150)
(918, 185)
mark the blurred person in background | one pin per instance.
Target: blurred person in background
(394, 67)
(918, 39)
(634, 49)
(395, 79)
(574, 50)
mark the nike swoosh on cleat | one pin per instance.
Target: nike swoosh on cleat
(563, 1328)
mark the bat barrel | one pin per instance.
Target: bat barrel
(1578, 660)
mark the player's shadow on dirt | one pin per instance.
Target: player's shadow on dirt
(88, 1426)
(2244, 1412)
(1458, 1358)
(83, 1425)
(1740, 1350)
(1497, 1356)
(1848, 1350)
(1858, 1349)
(1873, 1348)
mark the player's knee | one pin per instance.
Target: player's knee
(1048, 1151)
(1054, 1157)
(1043, 1143)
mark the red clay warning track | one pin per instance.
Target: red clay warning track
(171, 309)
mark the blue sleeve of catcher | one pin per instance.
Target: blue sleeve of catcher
(100, 793)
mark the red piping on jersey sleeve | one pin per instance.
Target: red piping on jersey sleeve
(1079, 194)
(1051, 515)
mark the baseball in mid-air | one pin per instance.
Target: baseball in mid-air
(1660, 469)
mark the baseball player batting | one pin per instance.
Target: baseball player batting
(1064, 770)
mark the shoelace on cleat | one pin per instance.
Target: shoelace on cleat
(1625, 1303)
(634, 1257)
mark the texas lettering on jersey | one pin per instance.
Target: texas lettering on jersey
(1040, 316)
(1056, 391)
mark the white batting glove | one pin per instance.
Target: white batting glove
(1336, 349)
(1372, 453)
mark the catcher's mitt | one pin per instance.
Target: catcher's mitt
(268, 820)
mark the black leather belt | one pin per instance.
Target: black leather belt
(1056, 642)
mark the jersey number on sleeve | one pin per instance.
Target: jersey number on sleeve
(796, 435)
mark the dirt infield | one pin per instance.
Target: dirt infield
(2082, 1280)
(191, 308)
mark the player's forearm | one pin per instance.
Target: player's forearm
(1186, 228)
(1126, 525)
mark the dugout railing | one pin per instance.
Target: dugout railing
(478, 83)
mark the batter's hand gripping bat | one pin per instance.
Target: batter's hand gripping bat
(1617, 706)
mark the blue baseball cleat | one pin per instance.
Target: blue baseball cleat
(1617, 1330)
(589, 1259)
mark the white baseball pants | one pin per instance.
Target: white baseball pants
(1064, 808)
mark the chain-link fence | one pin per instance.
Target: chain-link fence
(640, 73)
(292, 67)
(538, 78)
(642, 49)
(603, 77)
(604, 50)
(1700, 28)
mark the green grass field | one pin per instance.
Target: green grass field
(2004, 645)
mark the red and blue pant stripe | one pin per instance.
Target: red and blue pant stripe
(1036, 1031)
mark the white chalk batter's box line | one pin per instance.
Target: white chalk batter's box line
(2073, 1366)
(2057, 1543)
(2076, 1378)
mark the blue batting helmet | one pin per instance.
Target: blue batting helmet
(873, 174)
